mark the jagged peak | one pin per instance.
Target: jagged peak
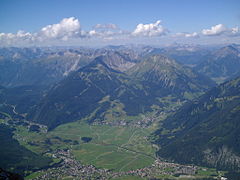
(226, 51)
(161, 59)
(157, 63)
(97, 64)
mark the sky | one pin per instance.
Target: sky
(101, 22)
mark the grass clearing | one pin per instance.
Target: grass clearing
(207, 172)
(34, 175)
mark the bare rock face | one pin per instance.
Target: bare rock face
(117, 61)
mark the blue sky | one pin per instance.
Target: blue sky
(177, 16)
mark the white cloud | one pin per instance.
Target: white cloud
(19, 38)
(93, 33)
(191, 34)
(67, 28)
(187, 35)
(105, 26)
(235, 31)
(107, 33)
(154, 29)
(221, 29)
(68, 31)
(20, 35)
(215, 30)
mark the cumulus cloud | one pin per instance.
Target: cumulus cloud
(68, 31)
(19, 38)
(191, 34)
(95, 33)
(67, 28)
(235, 31)
(215, 30)
(221, 29)
(105, 26)
(150, 30)
(20, 35)
(187, 35)
(107, 32)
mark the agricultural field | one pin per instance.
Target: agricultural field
(117, 148)
(112, 147)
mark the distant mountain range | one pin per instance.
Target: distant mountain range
(35, 66)
(96, 88)
(222, 64)
(219, 64)
(45, 66)
(189, 55)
